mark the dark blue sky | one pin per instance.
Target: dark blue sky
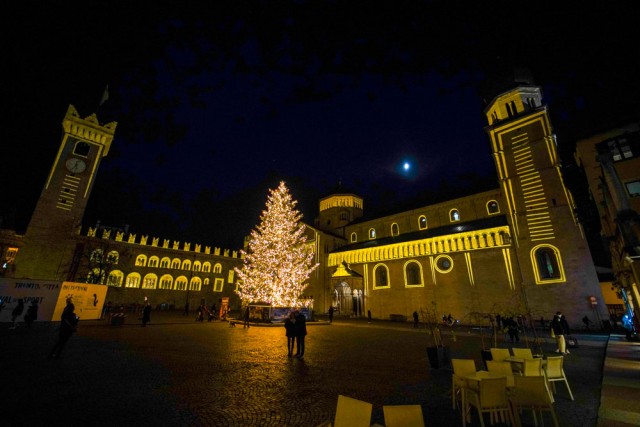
(217, 105)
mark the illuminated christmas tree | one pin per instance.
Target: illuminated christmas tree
(278, 260)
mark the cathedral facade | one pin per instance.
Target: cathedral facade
(515, 249)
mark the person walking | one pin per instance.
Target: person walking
(416, 319)
(246, 317)
(146, 314)
(290, 332)
(32, 313)
(301, 332)
(68, 326)
(560, 328)
(16, 313)
(587, 322)
(369, 315)
(331, 314)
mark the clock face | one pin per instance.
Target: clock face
(76, 165)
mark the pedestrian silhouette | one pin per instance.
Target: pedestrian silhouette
(16, 313)
(146, 314)
(68, 325)
(290, 332)
(32, 313)
(301, 332)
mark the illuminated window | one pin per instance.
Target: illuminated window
(113, 257)
(141, 260)
(175, 264)
(395, 230)
(492, 207)
(354, 237)
(166, 282)
(621, 149)
(206, 282)
(412, 274)
(218, 285)
(154, 261)
(133, 281)
(96, 276)
(217, 268)
(633, 188)
(454, 215)
(186, 264)
(372, 233)
(149, 281)
(180, 284)
(115, 278)
(196, 266)
(96, 256)
(380, 276)
(196, 284)
(422, 222)
(165, 262)
(206, 267)
(547, 263)
(444, 264)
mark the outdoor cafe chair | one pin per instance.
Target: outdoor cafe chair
(522, 353)
(499, 354)
(531, 393)
(461, 367)
(555, 372)
(403, 416)
(532, 368)
(491, 398)
(351, 412)
(501, 368)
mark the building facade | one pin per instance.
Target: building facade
(611, 164)
(515, 249)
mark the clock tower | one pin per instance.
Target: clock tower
(49, 240)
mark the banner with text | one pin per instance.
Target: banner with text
(42, 292)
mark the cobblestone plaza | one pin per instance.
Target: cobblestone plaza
(177, 372)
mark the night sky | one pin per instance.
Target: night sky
(217, 104)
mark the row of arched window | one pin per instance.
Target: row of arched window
(166, 281)
(546, 260)
(454, 216)
(177, 264)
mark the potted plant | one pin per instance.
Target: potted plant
(438, 354)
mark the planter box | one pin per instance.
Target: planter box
(439, 357)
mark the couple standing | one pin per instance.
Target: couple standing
(295, 329)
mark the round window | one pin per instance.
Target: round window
(444, 264)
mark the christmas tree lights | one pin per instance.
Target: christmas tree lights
(278, 261)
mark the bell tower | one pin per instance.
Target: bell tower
(551, 252)
(48, 242)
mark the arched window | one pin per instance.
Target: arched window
(141, 261)
(154, 261)
(96, 276)
(166, 282)
(81, 149)
(195, 284)
(547, 264)
(354, 237)
(380, 276)
(96, 256)
(395, 230)
(133, 281)
(180, 284)
(206, 282)
(206, 267)
(217, 268)
(175, 264)
(186, 264)
(422, 222)
(454, 215)
(412, 274)
(115, 278)
(113, 257)
(196, 266)
(372, 233)
(165, 262)
(149, 281)
(492, 207)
